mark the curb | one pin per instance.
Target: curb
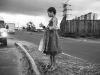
(29, 58)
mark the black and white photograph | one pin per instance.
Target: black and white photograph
(49, 37)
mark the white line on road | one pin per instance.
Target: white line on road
(72, 56)
(84, 40)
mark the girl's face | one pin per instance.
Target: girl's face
(50, 14)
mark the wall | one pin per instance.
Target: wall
(83, 27)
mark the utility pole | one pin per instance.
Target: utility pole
(66, 6)
(64, 22)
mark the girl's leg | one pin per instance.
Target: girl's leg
(51, 61)
(54, 61)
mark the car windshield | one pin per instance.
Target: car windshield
(2, 24)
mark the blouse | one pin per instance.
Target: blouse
(55, 22)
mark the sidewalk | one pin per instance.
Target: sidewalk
(67, 64)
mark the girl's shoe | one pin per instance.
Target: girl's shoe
(48, 66)
(52, 68)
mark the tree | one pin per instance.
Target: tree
(31, 26)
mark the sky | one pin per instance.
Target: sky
(22, 11)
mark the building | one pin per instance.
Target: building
(88, 16)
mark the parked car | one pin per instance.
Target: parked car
(11, 27)
(3, 33)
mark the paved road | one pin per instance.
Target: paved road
(86, 50)
(9, 60)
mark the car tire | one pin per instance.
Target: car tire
(5, 42)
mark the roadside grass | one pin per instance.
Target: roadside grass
(67, 65)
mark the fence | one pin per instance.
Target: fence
(82, 27)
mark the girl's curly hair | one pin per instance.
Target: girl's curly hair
(52, 9)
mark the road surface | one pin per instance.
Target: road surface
(9, 60)
(83, 49)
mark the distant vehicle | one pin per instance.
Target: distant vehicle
(3, 33)
(11, 27)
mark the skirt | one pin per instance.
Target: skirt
(50, 44)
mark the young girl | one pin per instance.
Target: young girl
(50, 41)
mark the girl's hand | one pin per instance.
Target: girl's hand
(51, 28)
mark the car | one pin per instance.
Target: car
(11, 28)
(3, 33)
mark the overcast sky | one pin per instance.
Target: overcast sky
(39, 7)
